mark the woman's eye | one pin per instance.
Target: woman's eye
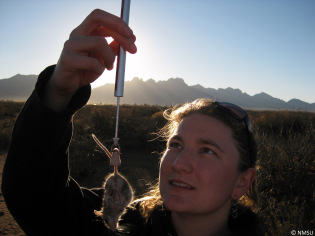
(207, 150)
(174, 145)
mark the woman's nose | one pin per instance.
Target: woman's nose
(183, 162)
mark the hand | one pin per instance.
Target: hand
(86, 55)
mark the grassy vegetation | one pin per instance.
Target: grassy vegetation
(8, 114)
(286, 170)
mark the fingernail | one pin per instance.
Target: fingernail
(111, 67)
(133, 48)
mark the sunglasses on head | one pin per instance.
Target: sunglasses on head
(239, 114)
(235, 111)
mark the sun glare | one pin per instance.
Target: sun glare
(137, 65)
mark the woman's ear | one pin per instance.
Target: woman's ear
(245, 181)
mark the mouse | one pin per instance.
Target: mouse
(117, 195)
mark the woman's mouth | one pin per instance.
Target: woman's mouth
(181, 185)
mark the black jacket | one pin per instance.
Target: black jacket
(42, 196)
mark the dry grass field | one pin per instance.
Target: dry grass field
(286, 170)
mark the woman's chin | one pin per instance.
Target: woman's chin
(175, 204)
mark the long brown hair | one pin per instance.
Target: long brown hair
(245, 140)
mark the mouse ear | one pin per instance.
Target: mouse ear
(102, 146)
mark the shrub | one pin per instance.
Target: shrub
(285, 176)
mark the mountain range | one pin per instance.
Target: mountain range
(168, 92)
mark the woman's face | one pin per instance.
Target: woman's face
(198, 172)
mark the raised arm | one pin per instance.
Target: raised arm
(36, 184)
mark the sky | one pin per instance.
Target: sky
(253, 45)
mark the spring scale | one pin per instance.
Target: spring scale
(119, 84)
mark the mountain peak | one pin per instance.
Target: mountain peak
(18, 87)
(137, 80)
(173, 82)
(150, 81)
(169, 92)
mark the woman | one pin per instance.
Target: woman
(208, 164)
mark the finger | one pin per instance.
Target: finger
(134, 38)
(104, 24)
(75, 62)
(127, 43)
(115, 47)
(96, 47)
(101, 18)
(131, 47)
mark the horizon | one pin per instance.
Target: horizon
(253, 46)
(177, 78)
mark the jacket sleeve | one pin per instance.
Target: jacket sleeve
(38, 190)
